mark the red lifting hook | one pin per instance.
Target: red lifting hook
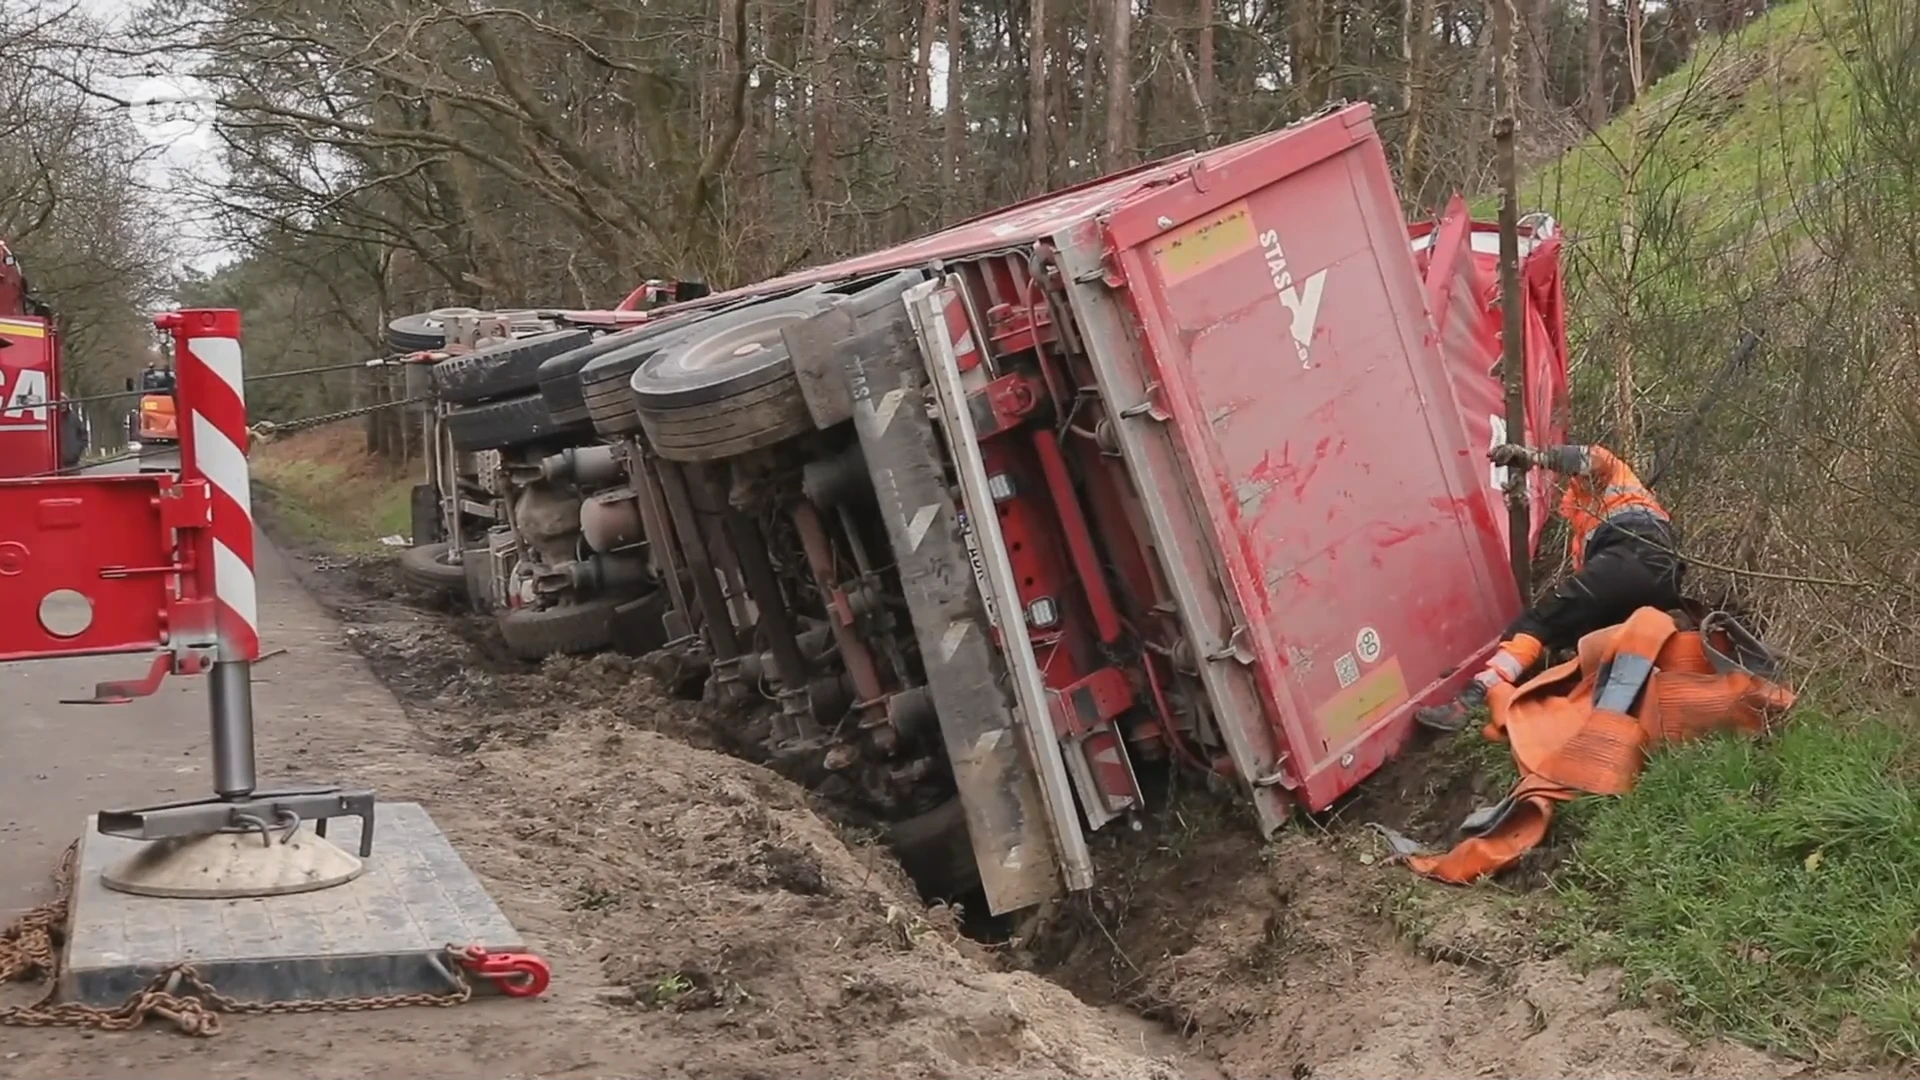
(514, 974)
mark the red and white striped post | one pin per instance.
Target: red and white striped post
(211, 401)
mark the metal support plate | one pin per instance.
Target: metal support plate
(928, 303)
(1006, 815)
(381, 933)
(276, 809)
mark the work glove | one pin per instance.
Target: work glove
(1511, 454)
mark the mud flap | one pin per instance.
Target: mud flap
(428, 525)
(1006, 818)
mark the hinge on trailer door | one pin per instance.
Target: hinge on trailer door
(1235, 649)
(1107, 273)
(1148, 407)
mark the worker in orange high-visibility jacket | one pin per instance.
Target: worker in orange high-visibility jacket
(1624, 559)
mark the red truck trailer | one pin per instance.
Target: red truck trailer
(1182, 468)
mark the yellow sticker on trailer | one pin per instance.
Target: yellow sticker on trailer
(1199, 246)
(1380, 690)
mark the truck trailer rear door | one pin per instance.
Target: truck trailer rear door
(1278, 332)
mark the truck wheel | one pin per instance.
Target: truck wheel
(607, 381)
(934, 850)
(603, 386)
(559, 376)
(720, 393)
(416, 333)
(511, 367)
(427, 568)
(638, 626)
(881, 295)
(570, 629)
(600, 383)
(501, 424)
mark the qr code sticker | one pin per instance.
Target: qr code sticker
(1348, 670)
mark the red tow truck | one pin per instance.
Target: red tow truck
(37, 435)
(1184, 468)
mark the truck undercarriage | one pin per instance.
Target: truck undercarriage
(1180, 469)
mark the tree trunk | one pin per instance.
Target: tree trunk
(1599, 101)
(1120, 86)
(1092, 124)
(955, 156)
(897, 180)
(923, 56)
(1203, 62)
(1623, 354)
(820, 55)
(1683, 21)
(1417, 44)
(1037, 140)
(1304, 49)
(1636, 59)
(1059, 98)
(1536, 50)
(1506, 81)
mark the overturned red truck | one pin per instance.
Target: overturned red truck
(1183, 468)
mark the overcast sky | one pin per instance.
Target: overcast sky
(178, 128)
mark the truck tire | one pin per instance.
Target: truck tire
(934, 850)
(724, 390)
(567, 630)
(607, 381)
(877, 296)
(498, 425)
(599, 377)
(751, 420)
(638, 625)
(416, 333)
(426, 568)
(559, 376)
(511, 367)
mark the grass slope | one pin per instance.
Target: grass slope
(325, 489)
(1768, 890)
(1726, 145)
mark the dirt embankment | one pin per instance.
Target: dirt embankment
(715, 893)
(712, 900)
(1311, 956)
(752, 937)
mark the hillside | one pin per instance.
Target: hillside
(1723, 149)
(1765, 187)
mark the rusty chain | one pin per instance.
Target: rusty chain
(269, 429)
(179, 995)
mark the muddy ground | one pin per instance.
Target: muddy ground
(708, 918)
(720, 894)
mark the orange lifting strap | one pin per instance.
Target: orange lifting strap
(1586, 727)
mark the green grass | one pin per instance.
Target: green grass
(343, 509)
(1727, 160)
(1727, 143)
(1765, 890)
(1734, 135)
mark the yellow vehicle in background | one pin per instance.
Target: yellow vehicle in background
(153, 423)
